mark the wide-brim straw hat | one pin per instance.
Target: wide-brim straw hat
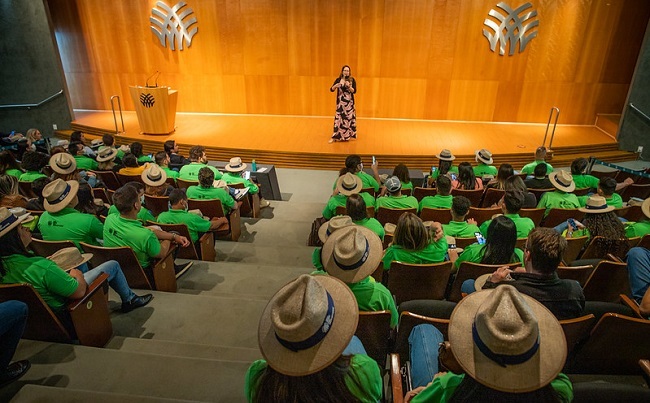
(219, 184)
(562, 180)
(9, 221)
(349, 184)
(522, 345)
(70, 258)
(63, 163)
(481, 280)
(235, 165)
(445, 155)
(596, 204)
(307, 325)
(335, 223)
(106, 154)
(645, 207)
(484, 156)
(352, 254)
(153, 176)
(58, 194)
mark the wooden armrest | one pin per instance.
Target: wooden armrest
(206, 244)
(100, 281)
(625, 300)
(90, 316)
(614, 258)
(164, 276)
(645, 367)
(396, 378)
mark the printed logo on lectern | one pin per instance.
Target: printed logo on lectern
(147, 100)
(175, 24)
(511, 26)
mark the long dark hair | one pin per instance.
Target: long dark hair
(11, 245)
(326, 385)
(500, 244)
(402, 173)
(351, 164)
(610, 228)
(470, 390)
(444, 167)
(349, 68)
(356, 207)
(466, 177)
(8, 161)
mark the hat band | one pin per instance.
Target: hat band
(358, 263)
(317, 337)
(503, 359)
(344, 186)
(480, 155)
(236, 166)
(154, 178)
(61, 197)
(566, 185)
(601, 207)
(8, 221)
(61, 165)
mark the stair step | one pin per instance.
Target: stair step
(42, 394)
(188, 350)
(608, 123)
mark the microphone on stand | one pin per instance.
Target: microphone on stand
(146, 84)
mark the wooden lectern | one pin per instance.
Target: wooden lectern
(156, 108)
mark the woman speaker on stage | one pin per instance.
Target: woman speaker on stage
(345, 120)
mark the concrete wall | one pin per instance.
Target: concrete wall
(30, 69)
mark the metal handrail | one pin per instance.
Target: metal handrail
(119, 105)
(640, 112)
(557, 116)
(29, 106)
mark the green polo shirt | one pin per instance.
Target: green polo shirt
(14, 172)
(85, 163)
(30, 176)
(407, 185)
(190, 172)
(585, 181)
(373, 296)
(50, 281)
(633, 229)
(339, 200)
(201, 193)
(435, 252)
(144, 214)
(614, 200)
(195, 224)
(474, 253)
(120, 231)
(231, 178)
(71, 225)
(373, 225)
(437, 201)
(558, 199)
(452, 169)
(483, 169)
(362, 378)
(144, 158)
(316, 260)
(397, 202)
(460, 229)
(523, 224)
(170, 172)
(530, 168)
(367, 181)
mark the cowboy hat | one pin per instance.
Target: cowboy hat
(8, 220)
(332, 225)
(63, 163)
(507, 341)
(351, 254)
(481, 280)
(645, 207)
(484, 156)
(445, 155)
(307, 325)
(596, 204)
(235, 165)
(348, 184)
(106, 154)
(58, 194)
(562, 180)
(69, 258)
(153, 176)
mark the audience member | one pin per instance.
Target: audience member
(347, 184)
(208, 189)
(131, 166)
(175, 159)
(540, 156)
(234, 171)
(36, 204)
(580, 177)
(64, 166)
(445, 164)
(442, 199)
(34, 136)
(136, 150)
(484, 165)
(9, 165)
(395, 198)
(515, 183)
(458, 227)
(325, 230)
(199, 159)
(641, 228)
(562, 197)
(540, 179)
(499, 246)
(155, 181)
(638, 267)
(109, 142)
(354, 165)
(505, 172)
(83, 161)
(356, 209)
(415, 243)
(106, 159)
(78, 137)
(402, 173)
(607, 189)
(13, 318)
(512, 203)
(88, 203)
(466, 179)
(162, 160)
(144, 215)
(33, 162)
(9, 196)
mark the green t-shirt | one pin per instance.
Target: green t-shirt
(195, 224)
(373, 225)
(71, 225)
(367, 181)
(397, 202)
(443, 388)
(190, 172)
(231, 178)
(530, 168)
(373, 296)
(339, 200)
(483, 169)
(558, 199)
(30, 176)
(615, 200)
(50, 281)
(460, 229)
(437, 201)
(144, 214)
(452, 169)
(363, 379)
(585, 181)
(474, 253)
(144, 158)
(120, 231)
(633, 229)
(170, 172)
(85, 163)
(14, 172)
(316, 260)
(435, 252)
(201, 193)
(523, 224)
(407, 185)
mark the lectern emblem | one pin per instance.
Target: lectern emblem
(173, 24)
(147, 100)
(511, 27)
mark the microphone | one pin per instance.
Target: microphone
(146, 84)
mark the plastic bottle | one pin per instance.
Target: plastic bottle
(253, 166)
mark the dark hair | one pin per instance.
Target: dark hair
(443, 185)
(169, 146)
(460, 205)
(57, 150)
(356, 207)
(578, 166)
(343, 68)
(34, 161)
(73, 147)
(176, 196)
(38, 185)
(466, 177)
(500, 242)
(124, 198)
(138, 186)
(540, 153)
(160, 157)
(540, 170)
(514, 200)
(206, 177)
(86, 202)
(108, 139)
(444, 167)
(196, 153)
(607, 185)
(11, 245)
(130, 161)
(8, 161)
(326, 385)
(515, 183)
(402, 173)
(76, 137)
(411, 233)
(546, 247)
(505, 171)
(469, 390)
(136, 149)
(606, 225)
(351, 164)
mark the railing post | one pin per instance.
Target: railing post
(548, 124)
(119, 105)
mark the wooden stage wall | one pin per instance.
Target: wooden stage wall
(413, 59)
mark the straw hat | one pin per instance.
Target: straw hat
(8, 220)
(445, 155)
(70, 258)
(645, 207)
(332, 225)
(97, 143)
(63, 143)
(507, 341)
(219, 184)
(562, 180)
(484, 156)
(58, 194)
(351, 254)
(481, 280)
(63, 163)
(154, 176)
(106, 154)
(389, 228)
(235, 165)
(348, 184)
(307, 325)
(597, 204)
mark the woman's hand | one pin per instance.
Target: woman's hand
(412, 393)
